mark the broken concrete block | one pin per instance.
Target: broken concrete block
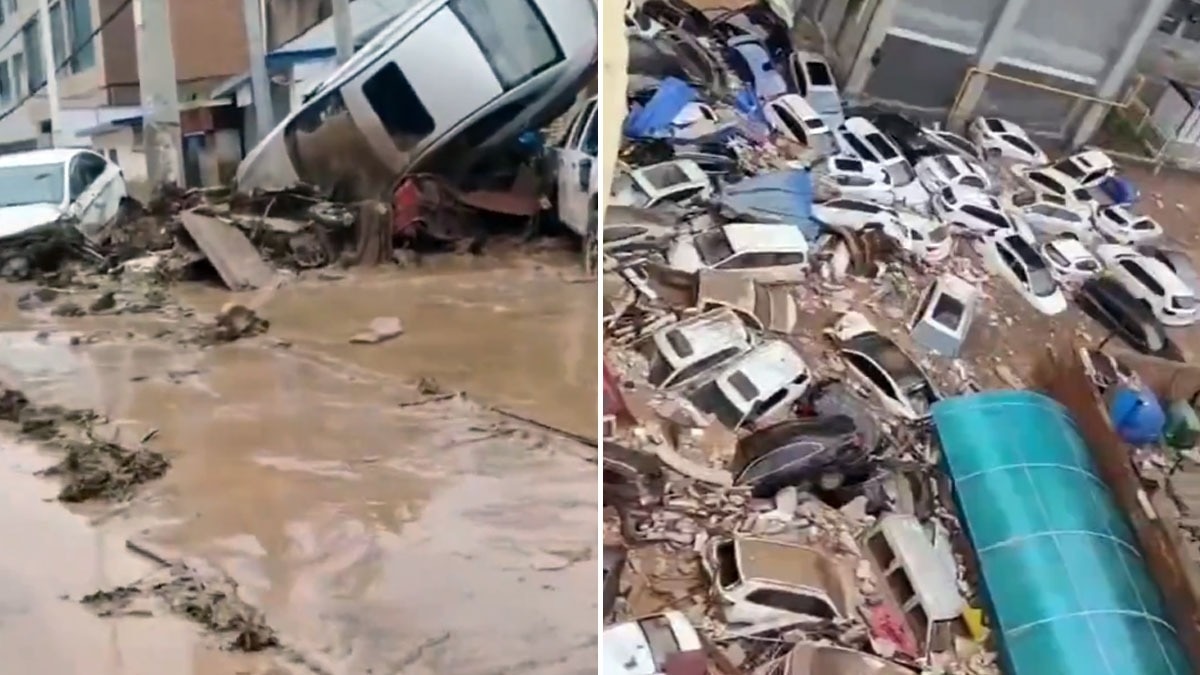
(381, 329)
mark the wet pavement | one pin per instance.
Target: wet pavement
(379, 534)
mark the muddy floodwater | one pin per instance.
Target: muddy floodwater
(382, 526)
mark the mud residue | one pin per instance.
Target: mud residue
(209, 600)
(93, 468)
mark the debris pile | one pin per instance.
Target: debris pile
(792, 284)
(93, 468)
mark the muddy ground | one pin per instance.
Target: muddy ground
(334, 498)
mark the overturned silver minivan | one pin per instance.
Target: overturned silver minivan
(443, 83)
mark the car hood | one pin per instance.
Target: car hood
(19, 219)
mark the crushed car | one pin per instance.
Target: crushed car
(893, 378)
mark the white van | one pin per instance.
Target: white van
(444, 82)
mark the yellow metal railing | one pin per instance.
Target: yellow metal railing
(974, 72)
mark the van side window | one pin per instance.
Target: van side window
(513, 36)
(797, 603)
(398, 107)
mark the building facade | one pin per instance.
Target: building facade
(98, 73)
(1055, 58)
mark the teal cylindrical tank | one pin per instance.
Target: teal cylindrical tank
(1063, 576)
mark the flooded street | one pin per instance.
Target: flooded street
(380, 527)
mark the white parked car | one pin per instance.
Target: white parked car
(40, 188)
(1152, 282)
(922, 236)
(999, 138)
(1049, 181)
(673, 181)
(1012, 258)
(971, 211)
(856, 178)
(878, 365)
(1070, 262)
(1117, 224)
(1088, 169)
(952, 143)
(941, 171)
(764, 252)
(793, 117)
(851, 213)
(812, 78)
(862, 139)
(759, 385)
(1051, 215)
(690, 348)
(644, 646)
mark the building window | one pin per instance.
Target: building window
(18, 72)
(79, 28)
(58, 37)
(6, 92)
(31, 37)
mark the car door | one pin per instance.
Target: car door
(96, 188)
(577, 169)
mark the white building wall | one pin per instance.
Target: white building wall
(122, 146)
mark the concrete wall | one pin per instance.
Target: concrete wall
(129, 153)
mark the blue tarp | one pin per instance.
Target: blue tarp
(780, 197)
(1064, 579)
(1121, 190)
(653, 120)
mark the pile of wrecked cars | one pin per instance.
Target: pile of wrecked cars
(802, 471)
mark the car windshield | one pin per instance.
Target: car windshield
(713, 246)
(709, 399)
(32, 184)
(1070, 168)
(901, 173)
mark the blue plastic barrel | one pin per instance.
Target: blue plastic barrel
(1137, 415)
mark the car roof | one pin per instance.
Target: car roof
(1117, 292)
(769, 365)
(744, 237)
(35, 157)
(1171, 283)
(1091, 160)
(860, 126)
(1071, 249)
(710, 332)
(965, 195)
(796, 102)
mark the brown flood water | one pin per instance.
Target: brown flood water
(378, 538)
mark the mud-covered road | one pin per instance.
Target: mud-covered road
(381, 526)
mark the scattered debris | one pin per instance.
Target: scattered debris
(93, 468)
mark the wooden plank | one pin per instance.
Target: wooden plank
(229, 251)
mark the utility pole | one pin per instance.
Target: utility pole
(160, 92)
(51, 69)
(260, 83)
(343, 30)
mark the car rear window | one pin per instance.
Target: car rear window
(818, 74)
(400, 110)
(972, 182)
(1184, 303)
(948, 311)
(1021, 144)
(994, 124)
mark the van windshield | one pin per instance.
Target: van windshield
(513, 36)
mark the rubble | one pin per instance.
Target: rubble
(93, 468)
(380, 329)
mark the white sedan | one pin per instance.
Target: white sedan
(973, 212)
(1069, 261)
(857, 178)
(922, 236)
(1152, 282)
(43, 187)
(854, 214)
(999, 138)
(1051, 215)
(1117, 224)
(942, 171)
(1014, 259)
